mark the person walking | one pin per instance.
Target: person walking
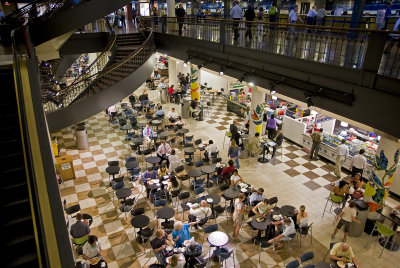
(235, 132)
(260, 19)
(250, 15)
(347, 215)
(233, 152)
(271, 127)
(236, 15)
(238, 215)
(317, 139)
(321, 16)
(358, 163)
(122, 15)
(180, 17)
(342, 151)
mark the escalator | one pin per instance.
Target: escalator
(19, 246)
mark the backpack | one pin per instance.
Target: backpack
(272, 10)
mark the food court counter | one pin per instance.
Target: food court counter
(235, 107)
(329, 152)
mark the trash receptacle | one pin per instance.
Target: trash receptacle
(82, 141)
(164, 95)
(362, 214)
(185, 108)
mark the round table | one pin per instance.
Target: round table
(140, 124)
(218, 239)
(215, 200)
(208, 170)
(156, 123)
(165, 213)
(189, 150)
(261, 226)
(127, 128)
(112, 170)
(132, 164)
(183, 131)
(153, 160)
(263, 159)
(140, 221)
(231, 193)
(195, 172)
(123, 193)
(288, 211)
(164, 135)
(322, 265)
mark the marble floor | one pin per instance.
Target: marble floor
(291, 177)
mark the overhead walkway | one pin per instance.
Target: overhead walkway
(345, 71)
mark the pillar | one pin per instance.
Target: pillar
(194, 82)
(356, 16)
(172, 74)
(228, 4)
(256, 110)
(129, 11)
(171, 8)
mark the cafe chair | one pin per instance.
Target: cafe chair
(331, 244)
(310, 265)
(308, 256)
(216, 160)
(223, 254)
(293, 264)
(199, 191)
(273, 201)
(386, 232)
(216, 212)
(113, 163)
(199, 163)
(72, 209)
(208, 230)
(335, 200)
(137, 211)
(198, 183)
(183, 196)
(79, 242)
(175, 194)
(189, 161)
(304, 231)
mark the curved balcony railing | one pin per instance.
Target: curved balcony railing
(111, 74)
(30, 11)
(343, 47)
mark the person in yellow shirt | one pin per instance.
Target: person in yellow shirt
(343, 252)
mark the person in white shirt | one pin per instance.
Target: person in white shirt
(172, 115)
(147, 134)
(174, 161)
(235, 178)
(199, 213)
(358, 163)
(321, 16)
(163, 151)
(348, 215)
(237, 15)
(257, 196)
(294, 15)
(342, 151)
(288, 230)
(211, 148)
(112, 111)
(92, 249)
(311, 16)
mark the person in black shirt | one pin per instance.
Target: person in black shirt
(180, 15)
(234, 131)
(278, 139)
(250, 15)
(193, 104)
(158, 244)
(80, 228)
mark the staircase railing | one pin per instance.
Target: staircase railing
(77, 90)
(29, 9)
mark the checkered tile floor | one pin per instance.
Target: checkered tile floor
(291, 176)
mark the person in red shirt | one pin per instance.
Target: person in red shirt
(229, 169)
(171, 93)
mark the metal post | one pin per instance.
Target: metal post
(357, 14)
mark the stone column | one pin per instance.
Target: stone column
(172, 78)
(228, 4)
(171, 8)
(256, 111)
(129, 11)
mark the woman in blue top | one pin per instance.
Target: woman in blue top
(234, 152)
(271, 127)
(181, 232)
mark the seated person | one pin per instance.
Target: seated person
(148, 175)
(112, 111)
(342, 252)
(144, 98)
(302, 217)
(179, 122)
(160, 113)
(278, 139)
(161, 173)
(132, 99)
(257, 196)
(92, 249)
(173, 185)
(79, 228)
(229, 169)
(174, 161)
(341, 190)
(147, 133)
(176, 261)
(356, 181)
(172, 115)
(181, 232)
(199, 213)
(262, 208)
(194, 104)
(163, 151)
(256, 148)
(236, 178)
(288, 230)
(211, 148)
(158, 244)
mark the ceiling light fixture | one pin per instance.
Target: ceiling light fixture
(251, 84)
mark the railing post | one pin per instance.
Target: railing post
(374, 51)
(222, 27)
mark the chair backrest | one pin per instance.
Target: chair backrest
(188, 145)
(113, 163)
(199, 190)
(72, 209)
(307, 256)
(183, 195)
(214, 154)
(216, 160)
(129, 159)
(160, 203)
(273, 200)
(175, 193)
(293, 264)
(117, 185)
(188, 138)
(335, 198)
(147, 152)
(197, 142)
(210, 228)
(310, 265)
(80, 240)
(159, 193)
(291, 236)
(199, 163)
(304, 230)
(225, 256)
(384, 230)
(224, 187)
(179, 169)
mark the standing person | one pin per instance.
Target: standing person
(236, 14)
(316, 139)
(260, 19)
(233, 152)
(122, 17)
(278, 139)
(250, 16)
(235, 132)
(163, 150)
(163, 15)
(271, 127)
(180, 16)
(174, 161)
(294, 15)
(134, 16)
(171, 93)
(342, 151)
(311, 16)
(272, 12)
(158, 244)
(358, 163)
(347, 215)
(321, 16)
(388, 12)
(238, 215)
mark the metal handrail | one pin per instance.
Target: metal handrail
(19, 13)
